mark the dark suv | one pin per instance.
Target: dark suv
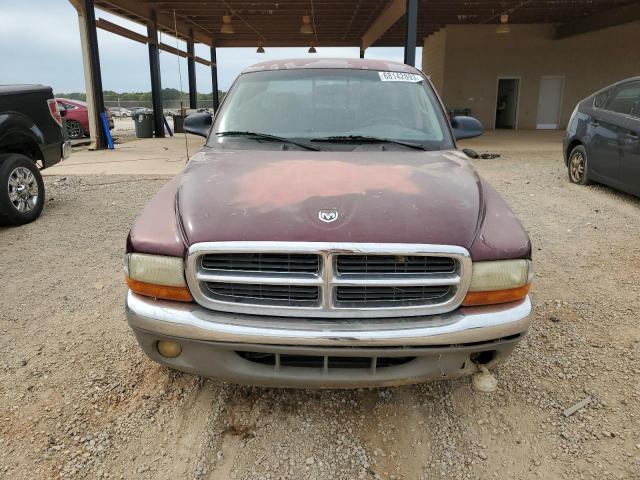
(602, 142)
(31, 139)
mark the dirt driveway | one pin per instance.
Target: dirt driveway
(78, 399)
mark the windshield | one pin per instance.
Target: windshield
(317, 104)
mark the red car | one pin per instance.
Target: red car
(77, 117)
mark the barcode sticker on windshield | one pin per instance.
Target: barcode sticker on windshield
(399, 77)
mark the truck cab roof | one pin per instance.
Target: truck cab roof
(346, 63)
(23, 88)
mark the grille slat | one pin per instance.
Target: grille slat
(367, 264)
(390, 296)
(265, 294)
(262, 262)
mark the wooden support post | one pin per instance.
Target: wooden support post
(92, 74)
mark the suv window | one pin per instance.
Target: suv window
(625, 99)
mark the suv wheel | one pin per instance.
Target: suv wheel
(21, 189)
(578, 166)
(74, 129)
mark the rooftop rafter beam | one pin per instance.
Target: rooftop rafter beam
(165, 21)
(168, 48)
(203, 61)
(608, 18)
(390, 15)
(137, 37)
(123, 32)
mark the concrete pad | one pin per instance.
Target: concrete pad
(167, 156)
(161, 156)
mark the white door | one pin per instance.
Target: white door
(549, 101)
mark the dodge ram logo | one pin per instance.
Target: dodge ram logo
(328, 216)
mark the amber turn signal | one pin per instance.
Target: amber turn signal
(180, 294)
(492, 297)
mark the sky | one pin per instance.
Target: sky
(40, 43)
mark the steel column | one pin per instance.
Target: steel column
(96, 76)
(156, 83)
(410, 32)
(214, 79)
(191, 67)
(361, 52)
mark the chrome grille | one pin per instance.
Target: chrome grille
(332, 280)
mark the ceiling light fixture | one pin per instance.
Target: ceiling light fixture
(504, 25)
(312, 48)
(227, 27)
(306, 27)
(260, 48)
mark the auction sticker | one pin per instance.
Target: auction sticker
(399, 77)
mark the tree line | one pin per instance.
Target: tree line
(167, 94)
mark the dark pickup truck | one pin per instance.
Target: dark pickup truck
(31, 139)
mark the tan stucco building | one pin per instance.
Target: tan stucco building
(526, 79)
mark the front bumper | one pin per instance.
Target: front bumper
(439, 346)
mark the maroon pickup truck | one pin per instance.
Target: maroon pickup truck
(329, 234)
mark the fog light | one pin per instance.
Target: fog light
(169, 349)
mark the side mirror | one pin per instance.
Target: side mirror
(466, 127)
(198, 124)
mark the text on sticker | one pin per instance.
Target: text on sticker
(399, 77)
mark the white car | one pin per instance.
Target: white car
(120, 112)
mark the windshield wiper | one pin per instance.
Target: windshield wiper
(266, 136)
(364, 138)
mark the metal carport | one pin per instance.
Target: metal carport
(269, 23)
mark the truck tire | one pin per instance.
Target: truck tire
(21, 189)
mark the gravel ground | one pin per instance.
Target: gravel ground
(78, 399)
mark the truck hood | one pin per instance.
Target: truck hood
(379, 197)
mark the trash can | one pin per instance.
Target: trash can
(144, 125)
(178, 123)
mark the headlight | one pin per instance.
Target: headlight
(157, 276)
(499, 282)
